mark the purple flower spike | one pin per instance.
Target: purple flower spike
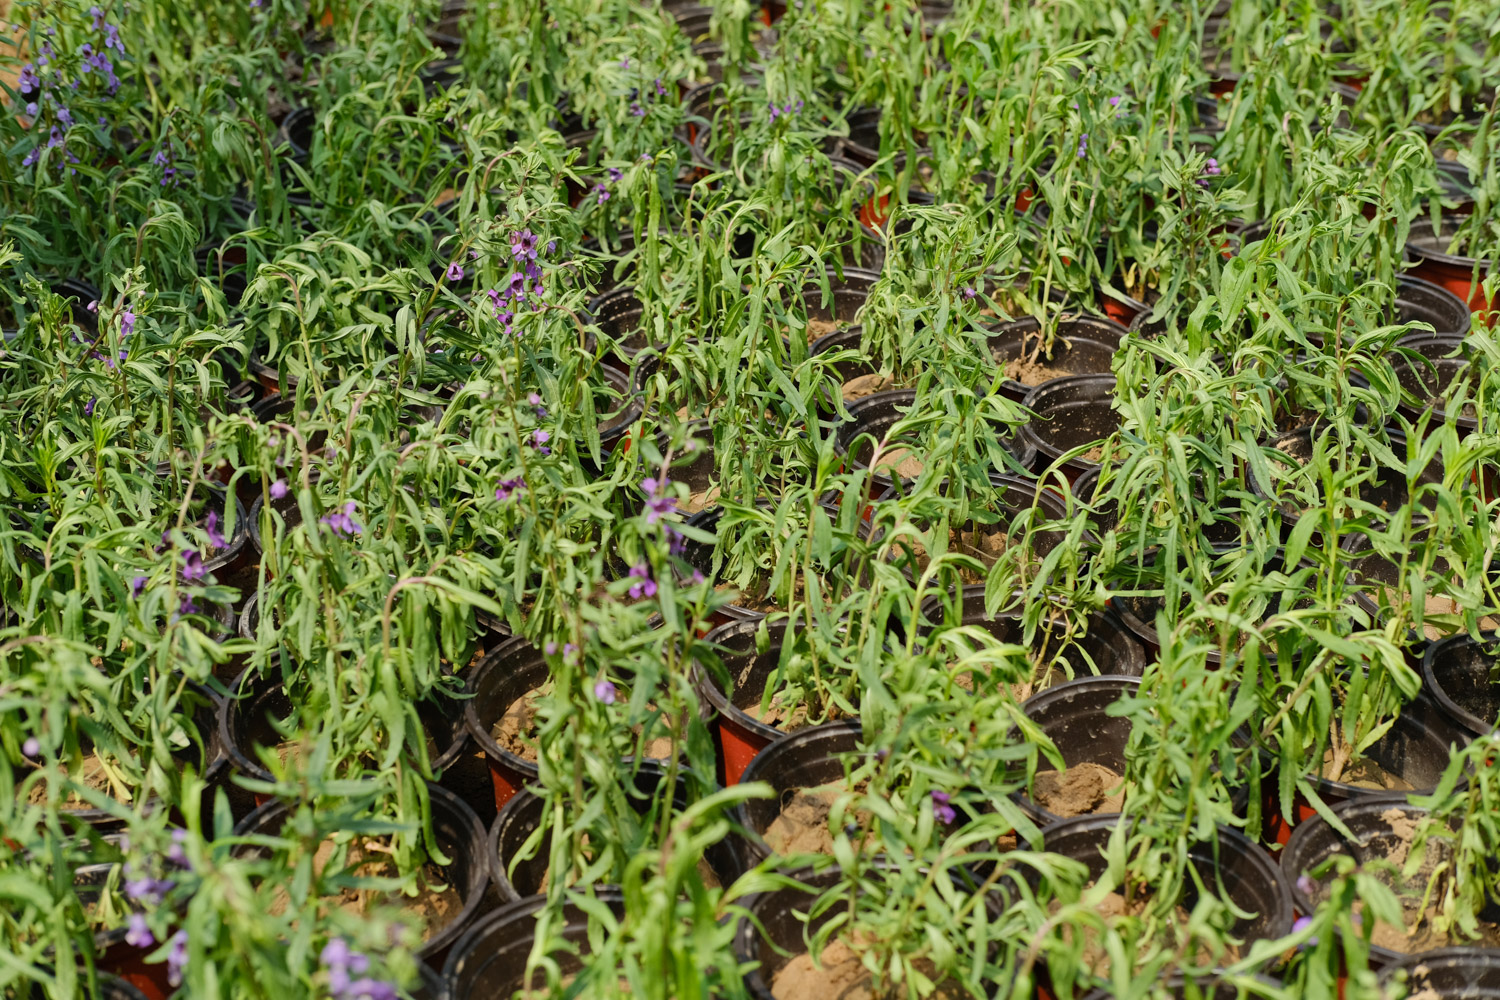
(644, 585)
(211, 528)
(507, 487)
(605, 692)
(942, 811)
(523, 245)
(193, 570)
(342, 522)
(177, 958)
(88, 408)
(139, 935)
(176, 854)
(127, 322)
(137, 586)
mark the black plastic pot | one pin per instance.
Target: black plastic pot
(862, 144)
(505, 675)
(297, 132)
(617, 407)
(489, 961)
(1074, 715)
(694, 463)
(871, 421)
(1071, 413)
(1427, 250)
(1225, 532)
(1246, 873)
(1083, 345)
(1385, 490)
(809, 758)
(1107, 648)
(618, 314)
(1372, 572)
(1204, 988)
(1419, 301)
(1460, 674)
(1443, 363)
(844, 371)
(1415, 749)
(522, 816)
(1015, 498)
(776, 928)
(1369, 819)
(849, 292)
(458, 835)
(1445, 974)
(227, 266)
(741, 735)
(246, 717)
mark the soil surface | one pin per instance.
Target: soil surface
(1114, 907)
(802, 827)
(700, 501)
(1436, 606)
(435, 905)
(92, 775)
(900, 462)
(840, 975)
(1035, 372)
(866, 385)
(1082, 789)
(1364, 773)
(986, 544)
(777, 714)
(823, 327)
(516, 729)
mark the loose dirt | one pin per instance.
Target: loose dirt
(1439, 606)
(701, 501)
(93, 775)
(776, 714)
(1035, 372)
(1082, 789)
(435, 905)
(823, 327)
(866, 385)
(840, 975)
(802, 827)
(900, 462)
(1364, 773)
(516, 729)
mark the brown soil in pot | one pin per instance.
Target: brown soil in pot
(802, 826)
(823, 327)
(1436, 606)
(866, 385)
(1364, 773)
(900, 462)
(516, 729)
(1114, 907)
(839, 974)
(91, 774)
(435, 905)
(1082, 789)
(1034, 372)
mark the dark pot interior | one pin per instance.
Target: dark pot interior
(1082, 345)
(806, 759)
(490, 960)
(1462, 675)
(1431, 378)
(1071, 412)
(1419, 301)
(1243, 872)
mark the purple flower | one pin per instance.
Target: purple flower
(28, 80)
(660, 90)
(32, 747)
(98, 15)
(148, 890)
(605, 692)
(176, 854)
(601, 193)
(552, 246)
(539, 439)
(942, 811)
(177, 958)
(88, 408)
(186, 606)
(1301, 924)
(137, 586)
(644, 585)
(278, 489)
(1114, 102)
(968, 292)
(369, 989)
(455, 272)
(1306, 886)
(211, 528)
(139, 935)
(550, 649)
(342, 522)
(615, 173)
(637, 110)
(507, 487)
(523, 245)
(93, 306)
(193, 570)
(1083, 146)
(127, 322)
(534, 399)
(569, 650)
